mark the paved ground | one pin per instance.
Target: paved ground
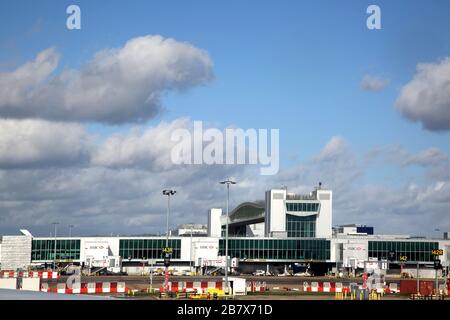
(142, 282)
(9, 294)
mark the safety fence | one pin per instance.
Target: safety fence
(339, 287)
(87, 288)
(30, 274)
(193, 286)
(256, 286)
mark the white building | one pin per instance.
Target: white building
(292, 215)
(283, 229)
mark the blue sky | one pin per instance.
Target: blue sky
(292, 65)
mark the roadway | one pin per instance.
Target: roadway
(271, 281)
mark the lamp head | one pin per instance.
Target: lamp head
(168, 192)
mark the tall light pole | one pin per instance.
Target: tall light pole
(70, 230)
(54, 254)
(190, 251)
(227, 182)
(168, 193)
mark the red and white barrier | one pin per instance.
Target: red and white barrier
(324, 287)
(306, 286)
(194, 286)
(333, 287)
(256, 286)
(87, 288)
(30, 274)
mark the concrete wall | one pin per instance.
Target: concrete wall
(186, 250)
(255, 230)
(8, 283)
(275, 213)
(445, 258)
(214, 224)
(324, 218)
(31, 284)
(16, 252)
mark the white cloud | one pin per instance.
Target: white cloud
(373, 83)
(36, 143)
(426, 98)
(431, 156)
(117, 86)
(119, 190)
(336, 147)
(147, 148)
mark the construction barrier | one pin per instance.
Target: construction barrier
(87, 288)
(91, 286)
(106, 287)
(257, 286)
(30, 274)
(10, 283)
(31, 284)
(393, 288)
(306, 286)
(194, 286)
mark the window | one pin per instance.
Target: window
(301, 227)
(147, 248)
(67, 250)
(292, 249)
(414, 250)
(302, 206)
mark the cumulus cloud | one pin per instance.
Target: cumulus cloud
(431, 156)
(116, 86)
(120, 192)
(147, 148)
(38, 143)
(426, 98)
(399, 155)
(334, 148)
(373, 83)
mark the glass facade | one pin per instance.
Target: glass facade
(66, 249)
(148, 248)
(414, 251)
(277, 249)
(304, 207)
(301, 227)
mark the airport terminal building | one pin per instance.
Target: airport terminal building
(273, 234)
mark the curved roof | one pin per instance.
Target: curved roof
(248, 213)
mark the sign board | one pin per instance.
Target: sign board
(354, 254)
(403, 258)
(96, 253)
(167, 250)
(437, 252)
(204, 249)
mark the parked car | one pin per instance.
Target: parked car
(303, 274)
(259, 273)
(105, 272)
